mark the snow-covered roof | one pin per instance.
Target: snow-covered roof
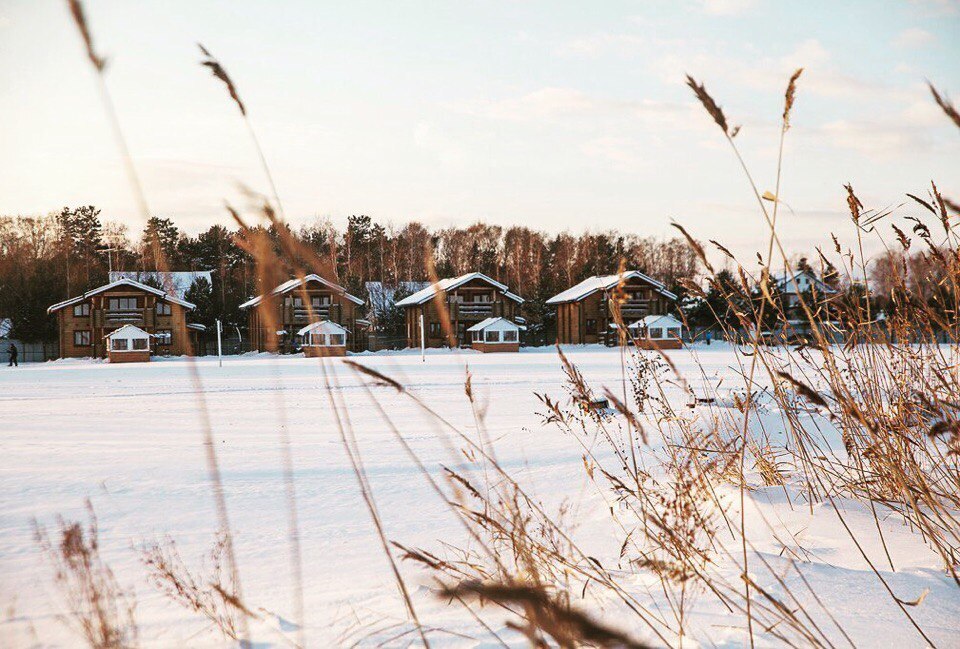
(451, 283)
(291, 284)
(117, 284)
(604, 283)
(496, 324)
(381, 295)
(322, 327)
(128, 332)
(656, 321)
(175, 282)
(788, 282)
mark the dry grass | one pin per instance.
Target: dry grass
(99, 609)
(888, 387)
(205, 591)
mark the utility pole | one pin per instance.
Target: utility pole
(219, 346)
(423, 342)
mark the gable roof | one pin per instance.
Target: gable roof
(657, 321)
(117, 284)
(323, 327)
(499, 323)
(291, 284)
(173, 282)
(787, 281)
(451, 283)
(596, 283)
(132, 330)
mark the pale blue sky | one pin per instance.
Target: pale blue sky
(556, 115)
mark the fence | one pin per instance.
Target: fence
(30, 352)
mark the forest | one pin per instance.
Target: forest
(46, 259)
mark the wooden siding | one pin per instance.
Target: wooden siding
(466, 308)
(102, 320)
(291, 318)
(588, 320)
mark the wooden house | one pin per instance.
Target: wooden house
(274, 319)
(86, 320)
(468, 299)
(586, 311)
(657, 332)
(128, 344)
(323, 338)
(495, 335)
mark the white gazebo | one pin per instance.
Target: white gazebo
(128, 344)
(495, 335)
(660, 331)
(323, 338)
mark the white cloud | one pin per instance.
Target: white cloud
(603, 43)
(821, 75)
(938, 7)
(623, 153)
(727, 7)
(914, 38)
(554, 104)
(881, 139)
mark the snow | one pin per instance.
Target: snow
(130, 438)
(291, 284)
(605, 283)
(323, 327)
(176, 282)
(497, 324)
(450, 283)
(117, 284)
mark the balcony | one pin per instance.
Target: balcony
(634, 308)
(304, 314)
(123, 316)
(479, 310)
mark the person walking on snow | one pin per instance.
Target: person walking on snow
(13, 356)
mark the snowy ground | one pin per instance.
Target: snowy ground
(129, 437)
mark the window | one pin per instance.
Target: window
(434, 329)
(591, 326)
(140, 343)
(673, 332)
(509, 336)
(477, 336)
(318, 339)
(122, 303)
(318, 301)
(163, 308)
(81, 338)
(164, 336)
(338, 340)
(119, 344)
(656, 332)
(491, 336)
(81, 310)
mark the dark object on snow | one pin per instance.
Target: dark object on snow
(12, 350)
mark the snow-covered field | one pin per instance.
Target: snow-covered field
(129, 438)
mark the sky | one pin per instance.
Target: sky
(553, 115)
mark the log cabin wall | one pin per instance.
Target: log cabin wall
(467, 305)
(293, 311)
(83, 325)
(588, 320)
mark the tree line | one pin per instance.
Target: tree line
(47, 259)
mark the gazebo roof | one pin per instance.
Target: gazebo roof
(322, 327)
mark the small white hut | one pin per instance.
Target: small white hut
(128, 344)
(323, 338)
(495, 335)
(658, 331)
